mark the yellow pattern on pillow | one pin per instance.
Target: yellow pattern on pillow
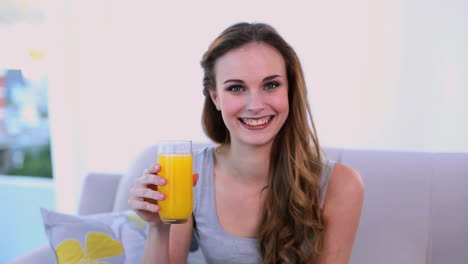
(98, 246)
(139, 222)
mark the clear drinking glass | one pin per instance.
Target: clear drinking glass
(175, 159)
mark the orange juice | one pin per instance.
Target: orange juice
(177, 170)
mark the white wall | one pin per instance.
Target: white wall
(380, 74)
(433, 90)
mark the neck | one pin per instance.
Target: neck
(246, 164)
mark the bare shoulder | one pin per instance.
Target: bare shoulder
(345, 188)
(342, 211)
(346, 178)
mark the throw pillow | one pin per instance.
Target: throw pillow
(113, 238)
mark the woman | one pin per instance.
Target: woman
(265, 194)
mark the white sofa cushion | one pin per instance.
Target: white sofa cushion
(394, 224)
(39, 255)
(449, 212)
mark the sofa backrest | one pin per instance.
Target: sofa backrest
(394, 224)
(414, 209)
(449, 208)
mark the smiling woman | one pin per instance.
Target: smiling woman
(262, 193)
(252, 93)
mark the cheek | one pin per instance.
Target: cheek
(281, 103)
(282, 106)
(285, 111)
(231, 105)
(285, 104)
(229, 111)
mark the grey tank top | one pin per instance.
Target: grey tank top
(217, 245)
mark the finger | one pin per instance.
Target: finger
(155, 168)
(195, 178)
(147, 193)
(149, 178)
(142, 205)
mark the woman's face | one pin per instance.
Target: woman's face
(252, 93)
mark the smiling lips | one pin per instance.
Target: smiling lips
(256, 123)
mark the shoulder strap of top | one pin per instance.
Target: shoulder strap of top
(203, 165)
(325, 178)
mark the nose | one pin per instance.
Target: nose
(256, 102)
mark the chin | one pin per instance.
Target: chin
(256, 141)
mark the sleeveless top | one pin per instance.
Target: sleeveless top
(217, 245)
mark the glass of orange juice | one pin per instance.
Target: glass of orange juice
(175, 160)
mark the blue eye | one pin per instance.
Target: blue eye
(271, 85)
(235, 88)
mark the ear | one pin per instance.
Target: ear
(214, 98)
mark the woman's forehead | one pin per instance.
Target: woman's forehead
(251, 61)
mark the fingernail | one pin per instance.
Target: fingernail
(162, 181)
(155, 167)
(161, 196)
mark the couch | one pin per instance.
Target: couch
(414, 211)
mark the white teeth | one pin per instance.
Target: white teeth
(256, 122)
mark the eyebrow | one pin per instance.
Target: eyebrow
(271, 77)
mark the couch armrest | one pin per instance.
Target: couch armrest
(38, 256)
(98, 193)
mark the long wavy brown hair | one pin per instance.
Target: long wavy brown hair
(291, 228)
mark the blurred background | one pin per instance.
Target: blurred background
(86, 85)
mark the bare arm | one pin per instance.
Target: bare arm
(165, 243)
(168, 243)
(179, 242)
(157, 245)
(342, 212)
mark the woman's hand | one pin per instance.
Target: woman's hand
(144, 194)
